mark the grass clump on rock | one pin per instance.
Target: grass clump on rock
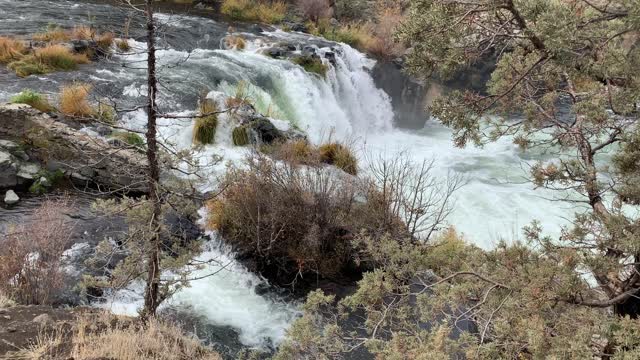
(240, 136)
(47, 59)
(33, 99)
(74, 100)
(204, 129)
(10, 49)
(312, 65)
(340, 156)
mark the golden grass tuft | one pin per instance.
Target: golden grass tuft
(123, 45)
(59, 57)
(235, 42)
(74, 100)
(55, 34)
(10, 49)
(340, 156)
(82, 32)
(204, 129)
(105, 40)
(248, 10)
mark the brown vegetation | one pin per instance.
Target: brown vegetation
(270, 12)
(10, 49)
(314, 10)
(296, 220)
(74, 100)
(30, 268)
(106, 336)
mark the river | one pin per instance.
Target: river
(348, 104)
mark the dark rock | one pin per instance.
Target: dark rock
(331, 56)
(104, 130)
(8, 170)
(276, 53)
(291, 47)
(266, 132)
(310, 51)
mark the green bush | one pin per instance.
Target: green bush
(34, 99)
(129, 138)
(312, 65)
(52, 177)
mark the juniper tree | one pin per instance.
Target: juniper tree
(566, 80)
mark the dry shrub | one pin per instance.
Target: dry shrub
(293, 220)
(314, 10)
(10, 49)
(74, 100)
(293, 152)
(82, 32)
(53, 35)
(204, 128)
(105, 40)
(290, 220)
(110, 337)
(5, 301)
(30, 264)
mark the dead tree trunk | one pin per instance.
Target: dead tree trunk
(151, 296)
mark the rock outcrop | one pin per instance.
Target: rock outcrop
(57, 145)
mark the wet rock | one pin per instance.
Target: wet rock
(104, 130)
(10, 197)
(266, 132)
(331, 56)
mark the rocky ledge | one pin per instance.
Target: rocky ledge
(39, 142)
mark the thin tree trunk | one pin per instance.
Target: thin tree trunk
(151, 296)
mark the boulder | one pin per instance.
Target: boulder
(43, 320)
(8, 170)
(28, 171)
(264, 130)
(11, 198)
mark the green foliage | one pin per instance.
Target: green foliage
(204, 129)
(24, 68)
(240, 136)
(129, 138)
(34, 99)
(53, 178)
(312, 65)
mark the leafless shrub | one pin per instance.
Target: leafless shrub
(30, 254)
(412, 193)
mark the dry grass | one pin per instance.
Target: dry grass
(59, 57)
(53, 35)
(82, 32)
(106, 336)
(10, 49)
(340, 156)
(74, 100)
(5, 301)
(123, 45)
(235, 42)
(251, 10)
(127, 340)
(105, 40)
